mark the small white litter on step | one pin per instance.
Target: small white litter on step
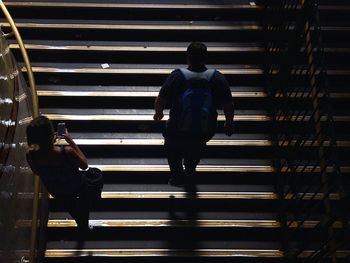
(105, 65)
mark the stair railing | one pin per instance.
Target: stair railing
(35, 113)
(309, 175)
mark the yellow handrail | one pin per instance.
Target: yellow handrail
(35, 113)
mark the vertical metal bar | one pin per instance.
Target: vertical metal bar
(316, 106)
(35, 113)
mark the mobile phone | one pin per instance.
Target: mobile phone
(61, 129)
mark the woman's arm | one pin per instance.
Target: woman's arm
(74, 152)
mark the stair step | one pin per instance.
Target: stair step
(251, 255)
(159, 69)
(158, 142)
(118, 223)
(136, 52)
(136, 46)
(147, 25)
(134, 115)
(133, 30)
(114, 46)
(150, 91)
(136, 25)
(229, 5)
(156, 139)
(155, 223)
(202, 213)
(59, 253)
(147, 115)
(200, 168)
(198, 195)
(139, 4)
(135, 69)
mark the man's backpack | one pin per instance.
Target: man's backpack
(196, 111)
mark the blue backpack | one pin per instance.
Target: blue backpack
(196, 111)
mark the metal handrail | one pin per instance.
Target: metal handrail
(35, 113)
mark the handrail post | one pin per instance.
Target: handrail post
(35, 113)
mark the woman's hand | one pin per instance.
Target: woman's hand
(55, 137)
(68, 138)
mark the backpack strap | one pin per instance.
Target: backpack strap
(188, 74)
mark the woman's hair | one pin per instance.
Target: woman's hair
(40, 133)
(197, 53)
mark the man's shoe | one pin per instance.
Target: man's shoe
(177, 181)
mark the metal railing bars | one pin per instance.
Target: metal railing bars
(303, 141)
(296, 194)
(311, 208)
(306, 152)
(35, 113)
(298, 87)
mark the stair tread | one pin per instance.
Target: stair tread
(154, 252)
(151, 25)
(99, 111)
(138, 66)
(165, 215)
(146, 91)
(197, 188)
(91, 88)
(253, 196)
(114, 223)
(132, 91)
(178, 194)
(227, 4)
(135, 45)
(159, 136)
(166, 223)
(163, 161)
(159, 244)
(137, 114)
(147, 115)
(156, 139)
(135, 24)
(152, 68)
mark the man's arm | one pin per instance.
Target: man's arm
(229, 113)
(225, 98)
(166, 94)
(159, 105)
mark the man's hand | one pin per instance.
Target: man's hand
(228, 128)
(158, 116)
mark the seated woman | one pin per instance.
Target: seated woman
(58, 168)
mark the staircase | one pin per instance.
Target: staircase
(99, 66)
